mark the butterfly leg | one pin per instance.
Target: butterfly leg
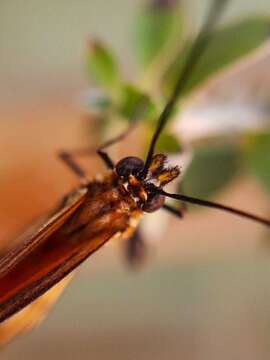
(68, 157)
(69, 160)
(104, 155)
(179, 212)
(135, 248)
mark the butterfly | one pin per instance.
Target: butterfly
(36, 269)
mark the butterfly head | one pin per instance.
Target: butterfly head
(159, 174)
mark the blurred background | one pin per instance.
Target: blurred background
(203, 292)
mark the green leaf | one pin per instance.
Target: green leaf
(154, 28)
(167, 142)
(98, 103)
(211, 169)
(134, 104)
(228, 44)
(257, 156)
(101, 66)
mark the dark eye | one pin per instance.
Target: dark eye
(154, 203)
(130, 165)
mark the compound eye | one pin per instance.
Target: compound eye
(130, 165)
(153, 203)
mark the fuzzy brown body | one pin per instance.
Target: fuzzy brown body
(101, 210)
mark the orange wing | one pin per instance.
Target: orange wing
(64, 249)
(22, 246)
(37, 233)
(32, 314)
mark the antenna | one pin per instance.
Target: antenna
(214, 205)
(199, 46)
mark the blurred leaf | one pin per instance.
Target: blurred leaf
(167, 143)
(211, 170)
(134, 104)
(155, 27)
(101, 66)
(257, 157)
(228, 44)
(98, 103)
